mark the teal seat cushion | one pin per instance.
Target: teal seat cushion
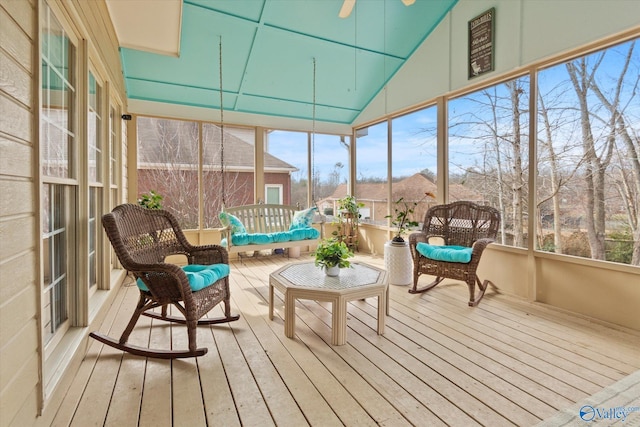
(259, 239)
(298, 234)
(239, 239)
(200, 276)
(303, 219)
(311, 233)
(460, 254)
(280, 236)
(243, 239)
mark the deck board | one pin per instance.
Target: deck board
(568, 344)
(156, 404)
(439, 362)
(536, 353)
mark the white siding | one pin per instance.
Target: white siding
(19, 360)
(22, 366)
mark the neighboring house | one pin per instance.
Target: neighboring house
(168, 164)
(411, 189)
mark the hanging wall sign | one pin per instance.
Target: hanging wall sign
(481, 43)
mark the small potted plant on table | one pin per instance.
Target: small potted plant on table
(332, 255)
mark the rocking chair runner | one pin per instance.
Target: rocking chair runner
(465, 227)
(142, 239)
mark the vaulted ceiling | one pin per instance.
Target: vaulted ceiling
(285, 58)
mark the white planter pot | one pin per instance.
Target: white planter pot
(294, 252)
(332, 271)
(398, 263)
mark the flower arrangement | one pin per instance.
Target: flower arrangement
(401, 219)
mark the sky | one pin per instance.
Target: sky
(414, 139)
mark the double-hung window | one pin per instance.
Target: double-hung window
(58, 159)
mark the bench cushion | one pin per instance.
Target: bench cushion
(460, 254)
(200, 276)
(242, 239)
(303, 219)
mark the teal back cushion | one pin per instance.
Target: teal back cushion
(460, 254)
(303, 219)
(227, 220)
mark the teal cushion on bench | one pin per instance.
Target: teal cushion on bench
(239, 239)
(259, 239)
(280, 236)
(303, 219)
(298, 234)
(200, 276)
(311, 233)
(243, 239)
(227, 220)
(460, 254)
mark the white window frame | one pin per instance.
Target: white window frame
(277, 187)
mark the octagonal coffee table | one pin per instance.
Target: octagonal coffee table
(304, 280)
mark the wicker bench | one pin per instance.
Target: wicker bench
(267, 220)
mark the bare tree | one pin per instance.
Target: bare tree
(518, 181)
(494, 122)
(628, 184)
(598, 151)
(168, 163)
(556, 152)
(595, 165)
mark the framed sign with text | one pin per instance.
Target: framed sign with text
(481, 43)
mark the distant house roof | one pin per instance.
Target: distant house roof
(162, 142)
(412, 188)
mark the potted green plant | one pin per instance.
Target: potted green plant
(397, 255)
(401, 219)
(332, 255)
(347, 220)
(151, 200)
(349, 205)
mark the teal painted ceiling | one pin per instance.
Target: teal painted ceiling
(278, 55)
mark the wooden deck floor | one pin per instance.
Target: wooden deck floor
(439, 362)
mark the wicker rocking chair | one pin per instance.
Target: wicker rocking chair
(466, 229)
(142, 239)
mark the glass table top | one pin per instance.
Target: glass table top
(307, 274)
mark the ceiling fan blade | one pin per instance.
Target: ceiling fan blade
(346, 9)
(408, 2)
